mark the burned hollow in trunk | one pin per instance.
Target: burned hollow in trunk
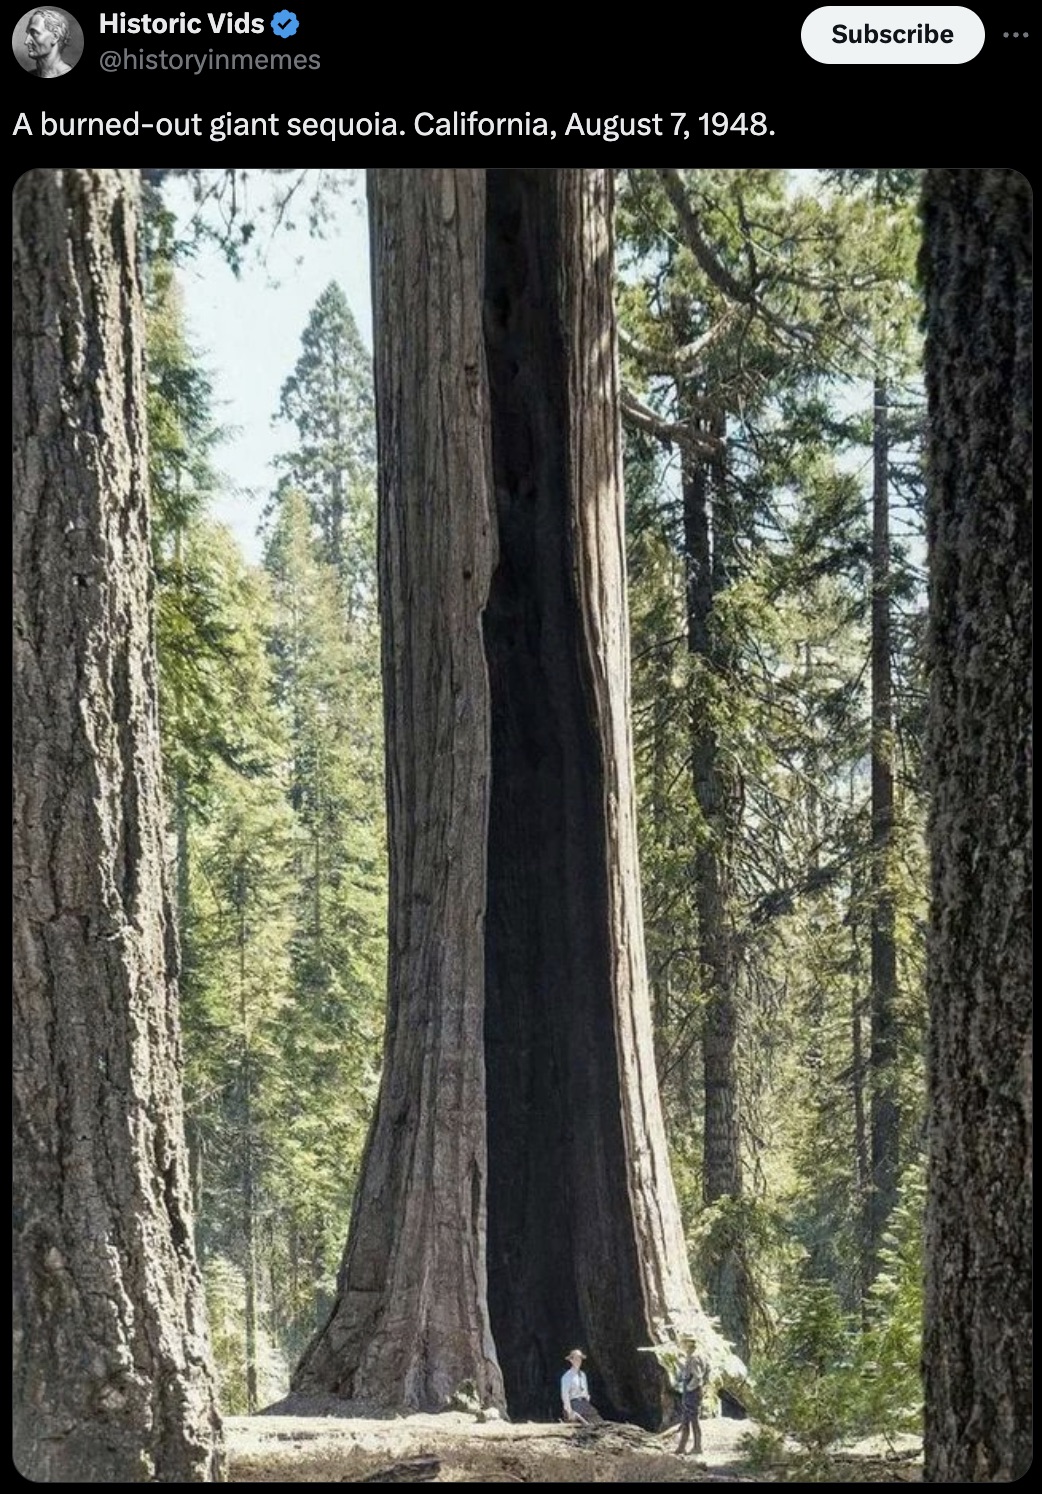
(515, 1197)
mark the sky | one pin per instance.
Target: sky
(247, 333)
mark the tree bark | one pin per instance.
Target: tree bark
(722, 1169)
(111, 1362)
(706, 557)
(410, 1319)
(501, 443)
(585, 1240)
(977, 1348)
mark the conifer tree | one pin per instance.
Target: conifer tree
(112, 1375)
(328, 398)
(747, 308)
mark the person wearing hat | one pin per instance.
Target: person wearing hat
(691, 1378)
(575, 1392)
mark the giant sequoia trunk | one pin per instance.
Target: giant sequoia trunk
(111, 1377)
(584, 1236)
(515, 1197)
(977, 1351)
(410, 1320)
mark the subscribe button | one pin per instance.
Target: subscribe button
(892, 33)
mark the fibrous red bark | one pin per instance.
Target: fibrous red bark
(515, 1198)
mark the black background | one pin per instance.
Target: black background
(647, 62)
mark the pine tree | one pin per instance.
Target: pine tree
(321, 557)
(329, 400)
(270, 716)
(749, 310)
(327, 693)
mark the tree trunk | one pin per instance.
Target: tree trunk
(705, 556)
(249, 1181)
(977, 1349)
(884, 1113)
(660, 955)
(722, 1172)
(410, 1319)
(585, 1241)
(514, 686)
(111, 1363)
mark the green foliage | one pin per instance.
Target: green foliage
(236, 996)
(752, 1230)
(199, 576)
(272, 737)
(890, 1352)
(328, 398)
(324, 650)
(225, 1303)
(763, 1450)
(806, 1389)
(240, 211)
(757, 314)
(694, 1331)
(829, 1378)
(327, 692)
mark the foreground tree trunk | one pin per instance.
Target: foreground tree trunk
(515, 1196)
(977, 263)
(111, 1365)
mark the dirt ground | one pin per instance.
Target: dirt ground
(333, 1441)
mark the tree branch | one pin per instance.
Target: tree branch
(717, 272)
(671, 433)
(692, 230)
(678, 361)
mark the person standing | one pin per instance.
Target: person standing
(691, 1380)
(575, 1392)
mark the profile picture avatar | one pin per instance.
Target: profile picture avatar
(47, 42)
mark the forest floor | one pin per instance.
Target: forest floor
(329, 1441)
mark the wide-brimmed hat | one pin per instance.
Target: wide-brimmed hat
(573, 1352)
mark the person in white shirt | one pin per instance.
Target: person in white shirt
(575, 1392)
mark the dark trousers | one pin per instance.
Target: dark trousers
(690, 1426)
